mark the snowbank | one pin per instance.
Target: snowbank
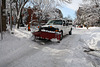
(91, 38)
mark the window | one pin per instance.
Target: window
(55, 22)
(70, 23)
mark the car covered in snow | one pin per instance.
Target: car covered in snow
(54, 29)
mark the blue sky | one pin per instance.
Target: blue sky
(68, 12)
(70, 9)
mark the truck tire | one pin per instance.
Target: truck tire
(61, 35)
(70, 32)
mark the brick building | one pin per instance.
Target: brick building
(32, 14)
(29, 15)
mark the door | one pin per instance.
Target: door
(64, 27)
(67, 27)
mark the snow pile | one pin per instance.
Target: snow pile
(22, 33)
(91, 39)
(13, 42)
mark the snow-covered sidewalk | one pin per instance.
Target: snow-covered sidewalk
(17, 50)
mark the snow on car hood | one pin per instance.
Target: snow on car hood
(55, 26)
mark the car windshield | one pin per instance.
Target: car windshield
(55, 22)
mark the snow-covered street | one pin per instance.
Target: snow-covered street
(17, 50)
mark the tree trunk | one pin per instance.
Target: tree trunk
(0, 19)
(21, 20)
(2, 16)
(87, 26)
(18, 10)
(18, 22)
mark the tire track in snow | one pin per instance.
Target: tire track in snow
(23, 51)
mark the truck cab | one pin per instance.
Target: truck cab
(64, 26)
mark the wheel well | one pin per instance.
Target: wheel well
(61, 30)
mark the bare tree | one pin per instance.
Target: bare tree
(19, 7)
(46, 7)
(16, 8)
(89, 13)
